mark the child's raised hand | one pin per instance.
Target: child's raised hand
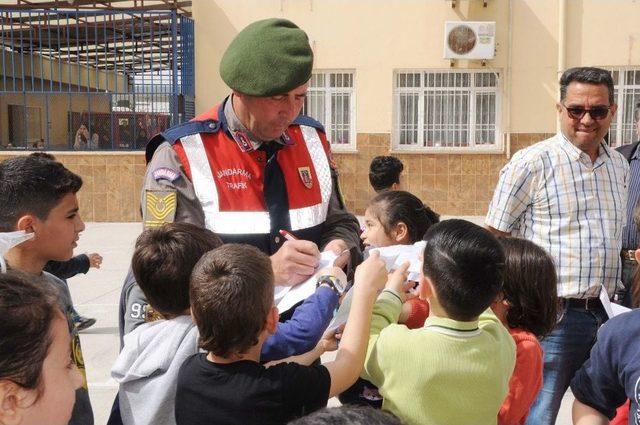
(330, 338)
(95, 260)
(372, 273)
(398, 281)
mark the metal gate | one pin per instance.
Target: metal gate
(93, 79)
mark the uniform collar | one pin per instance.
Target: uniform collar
(237, 130)
(452, 327)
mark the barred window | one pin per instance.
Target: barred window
(627, 96)
(331, 100)
(446, 109)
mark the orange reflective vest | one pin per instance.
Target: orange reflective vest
(243, 192)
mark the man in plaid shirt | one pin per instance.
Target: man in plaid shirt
(568, 194)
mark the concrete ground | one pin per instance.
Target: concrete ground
(97, 293)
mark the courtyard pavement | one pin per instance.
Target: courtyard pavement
(97, 293)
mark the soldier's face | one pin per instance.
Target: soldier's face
(268, 117)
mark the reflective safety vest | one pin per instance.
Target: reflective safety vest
(248, 197)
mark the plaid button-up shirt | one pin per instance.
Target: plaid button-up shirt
(553, 194)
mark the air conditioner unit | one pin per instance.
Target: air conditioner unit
(469, 40)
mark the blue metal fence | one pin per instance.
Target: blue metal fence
(98, 79)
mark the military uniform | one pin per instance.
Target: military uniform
(212, 172)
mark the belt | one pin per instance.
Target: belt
(628, 254)
(583, 303)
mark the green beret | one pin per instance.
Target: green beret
(267, 58)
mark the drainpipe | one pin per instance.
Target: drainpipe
(562, 45)
(508, 83)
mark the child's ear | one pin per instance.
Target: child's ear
(26, 223)
(425, 288)
(272, 320)
(637, 255)
(12, 398)
(401, 232)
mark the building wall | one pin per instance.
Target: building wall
(374, 39)
(112, 183)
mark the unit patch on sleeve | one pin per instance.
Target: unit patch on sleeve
(160, 207)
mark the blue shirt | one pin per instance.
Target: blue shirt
(630, 238)
(612, 373)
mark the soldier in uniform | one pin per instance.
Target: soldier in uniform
(252, 165)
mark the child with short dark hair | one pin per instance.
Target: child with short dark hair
(384, 173)
(38, 378)
(147, 367)
(460, 362)
(39, 197)
(527, 306)
(232, 304)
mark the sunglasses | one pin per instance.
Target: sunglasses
(597, 113)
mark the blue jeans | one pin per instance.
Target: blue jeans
(565, 350)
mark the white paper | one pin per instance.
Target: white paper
(612, 309)
(394, 255)
(287, 297)
(342, 314)
(10, 239)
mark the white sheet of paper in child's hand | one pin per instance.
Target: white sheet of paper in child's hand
(612, 309)
(395, 255)
(286, 297)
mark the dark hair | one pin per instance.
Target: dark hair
(465, 264)
(33, 184)
(163, 260)
(396, 206)
(27, 309)
(231, 296)
(384, 171)
(636, 112)
(347, 415)
(587, 75)
(529, 286)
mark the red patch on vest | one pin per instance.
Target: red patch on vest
(305, 176)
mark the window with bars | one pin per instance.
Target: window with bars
(626, 96)
(331, 100)
(446, 109)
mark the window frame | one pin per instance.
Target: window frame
(327, 90)
(618, 99)
(419, 147)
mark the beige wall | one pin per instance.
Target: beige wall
(374, 37)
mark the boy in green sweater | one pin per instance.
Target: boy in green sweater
(455, 369)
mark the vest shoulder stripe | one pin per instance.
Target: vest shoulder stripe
(308, 121)
(190, 128)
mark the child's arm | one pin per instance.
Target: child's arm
(68, 269)
(385, 312)
(585, 415)
(302, 332)
(329, 342)
(370, 277)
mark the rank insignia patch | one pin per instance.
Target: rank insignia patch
(305, 176)
(160, 207)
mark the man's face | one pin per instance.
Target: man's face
(57, 235)
(586, 132)
(268, 117)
